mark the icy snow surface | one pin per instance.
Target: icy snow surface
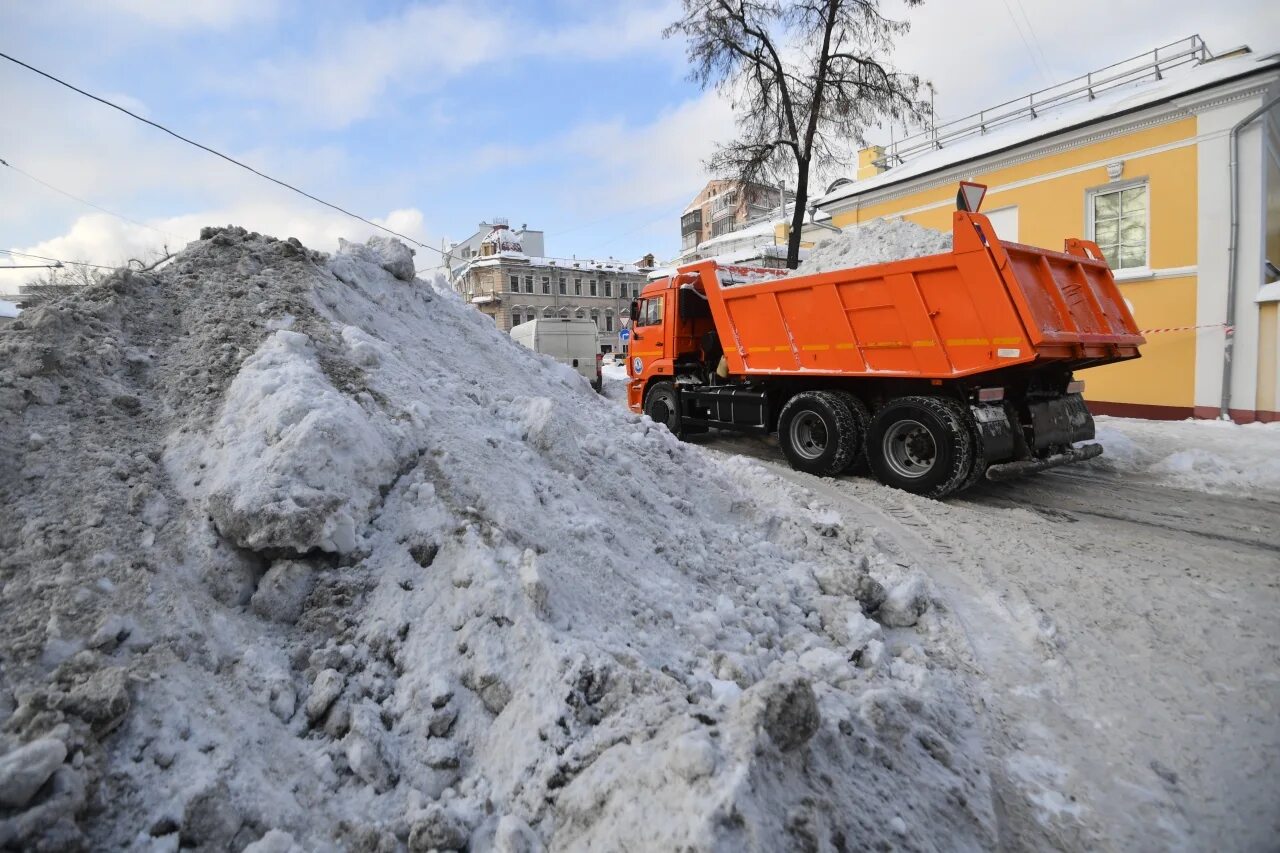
(1209, 456)
(876, 242)
(301, 553)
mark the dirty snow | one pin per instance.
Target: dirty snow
(876, 242)
(302, 553)
(1204, 455)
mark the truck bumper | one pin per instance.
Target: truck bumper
(1010, 470)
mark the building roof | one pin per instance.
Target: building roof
(1068, 115)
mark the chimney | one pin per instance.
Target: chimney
(867, 158)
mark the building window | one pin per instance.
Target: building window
(593, 287)
(581, 315)
(577, 287)
(548, 312)
(562, 290)
(528, 284)
(546, 284)
(515, 284)
(688, 241)
(1118, 224)
(608, 288)
(608, 321)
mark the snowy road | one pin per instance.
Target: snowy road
(1127, 642)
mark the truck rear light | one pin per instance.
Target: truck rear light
(1075, 386)
(990, 395)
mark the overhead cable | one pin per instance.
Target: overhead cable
(216, 153)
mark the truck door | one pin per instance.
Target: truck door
(648, 333)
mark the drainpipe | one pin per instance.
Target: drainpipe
(1232, 252)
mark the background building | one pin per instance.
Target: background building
(723, 206)
(511, 285)
(1137, 157)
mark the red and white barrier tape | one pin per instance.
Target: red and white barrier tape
(1229, 329)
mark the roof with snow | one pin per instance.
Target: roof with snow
(1064, 107)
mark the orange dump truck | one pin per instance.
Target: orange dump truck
(935, 370)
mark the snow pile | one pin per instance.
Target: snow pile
(1219, 457)
(300, 553)
(876, 242)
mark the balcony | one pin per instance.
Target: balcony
(691, 222)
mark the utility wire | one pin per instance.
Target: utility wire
(57, 266)
(1035, 61)
(47, 185)
(229, 159)
(1035, 39)
(52, 260)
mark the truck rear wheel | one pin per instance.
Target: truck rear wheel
(862, 421)
(817, 433)
(921, 445)
(660, 404)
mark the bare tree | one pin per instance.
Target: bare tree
(57, 282)
(806, 79)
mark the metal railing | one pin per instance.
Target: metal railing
(1152, 64)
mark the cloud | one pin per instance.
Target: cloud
(192, 14)
(353, 72)
(99, 238)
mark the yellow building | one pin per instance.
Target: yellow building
(1139, 158)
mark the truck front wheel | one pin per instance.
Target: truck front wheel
(817, 433)
(660, 404)
(921, 445)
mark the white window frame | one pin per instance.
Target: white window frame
(1143, 271)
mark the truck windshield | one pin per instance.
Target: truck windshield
(650, 312)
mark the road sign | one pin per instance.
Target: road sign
(624, 335)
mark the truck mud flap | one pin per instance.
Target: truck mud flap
(1064, 420)
(1010, 470)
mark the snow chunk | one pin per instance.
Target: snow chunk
(24, 770)
(292, 464)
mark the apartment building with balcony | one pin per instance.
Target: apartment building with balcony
(722, 207)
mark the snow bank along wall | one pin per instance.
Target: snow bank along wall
(299, 552)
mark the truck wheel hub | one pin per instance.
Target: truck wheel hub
(909, 449)
(808, 435)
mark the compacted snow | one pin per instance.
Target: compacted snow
(1211, 456)
(300, 553)
(876, 242)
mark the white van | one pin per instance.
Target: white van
(568, 340)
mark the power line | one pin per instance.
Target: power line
(1035, 39)
(47, 185)
(229, 159)
(1035, 62)
(52, 260)
(33, 267)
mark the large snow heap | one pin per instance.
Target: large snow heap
(878, 241)
(299, 552)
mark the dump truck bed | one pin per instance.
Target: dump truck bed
(985, 305)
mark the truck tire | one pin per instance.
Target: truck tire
(921, 445)
(660, 404)
(817, 433)
(862, 420)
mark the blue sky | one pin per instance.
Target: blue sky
(574, 117)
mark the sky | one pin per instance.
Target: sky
(575, 117)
